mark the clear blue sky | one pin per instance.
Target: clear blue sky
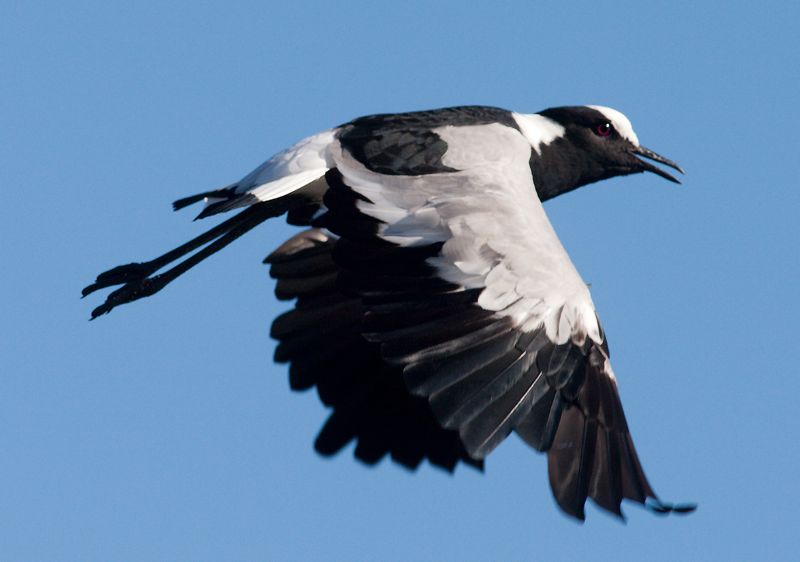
(164, 431)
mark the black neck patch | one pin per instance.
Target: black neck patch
(562, 167)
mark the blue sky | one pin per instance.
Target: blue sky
(164, 431)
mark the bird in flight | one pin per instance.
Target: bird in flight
(436, 310)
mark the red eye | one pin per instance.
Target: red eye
(603, 129)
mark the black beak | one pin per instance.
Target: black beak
(648, 167)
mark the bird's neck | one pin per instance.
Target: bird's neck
(560, 167)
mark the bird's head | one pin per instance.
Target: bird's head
(577, 145)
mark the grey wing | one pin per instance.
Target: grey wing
(469, 293)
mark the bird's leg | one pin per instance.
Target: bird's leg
(136, 279)
(138, 271)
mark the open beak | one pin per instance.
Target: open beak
(647, 166)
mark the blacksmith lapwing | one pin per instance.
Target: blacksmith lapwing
(436, 309)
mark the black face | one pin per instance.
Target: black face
(590, 150)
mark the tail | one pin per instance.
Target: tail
(223, 193)
(217, 201)
(138, 280)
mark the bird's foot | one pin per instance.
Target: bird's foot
(120, 275)
(129, 292)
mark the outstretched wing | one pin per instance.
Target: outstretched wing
(468, 291)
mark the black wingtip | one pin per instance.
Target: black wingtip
(663, 508)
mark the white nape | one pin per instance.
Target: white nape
(538, 129)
